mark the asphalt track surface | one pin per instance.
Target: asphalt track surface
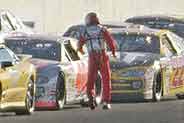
(167, 111)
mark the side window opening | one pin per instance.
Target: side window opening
(6, 25)
(71, 51)
(179, 42)
(167, 46)
(65, 57)
(14, 21)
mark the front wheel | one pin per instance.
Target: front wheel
(180, 96)
(29, 101)
(60, 92)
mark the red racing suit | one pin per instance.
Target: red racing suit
(96, 37)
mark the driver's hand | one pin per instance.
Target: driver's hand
(81, 51)
(114, 54)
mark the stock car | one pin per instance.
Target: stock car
(61, 71)
(172, 23)
(10, 23)
(149, 65)
(17, 83)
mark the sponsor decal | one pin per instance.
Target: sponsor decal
(177, 79)
(45, 104)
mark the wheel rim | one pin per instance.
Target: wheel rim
(30, 96)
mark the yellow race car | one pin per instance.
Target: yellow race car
(149, 64)
(17, 83)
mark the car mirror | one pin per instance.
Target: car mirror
(5, 64)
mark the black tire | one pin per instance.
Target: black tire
(84, 103)
(98, 92)
(180, 96)
(29, 101)
(157, 88)
(60, 91)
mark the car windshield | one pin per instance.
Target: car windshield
(49, 50)
(137, 43)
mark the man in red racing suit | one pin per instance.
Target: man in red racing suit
(96, 37)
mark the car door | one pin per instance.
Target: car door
(178, 78)
(171, 71)
(83, 70)
(11, 76)
(77, 66)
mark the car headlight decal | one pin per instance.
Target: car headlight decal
(136, 84)
(133, 73)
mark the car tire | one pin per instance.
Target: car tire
(60, 91)
(180, 96)
(29, 101)
(157, 88)
(98, 92)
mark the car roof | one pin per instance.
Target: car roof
(112, 25)
(43, 37)
(142, 30)
(150, 17)
(116, 24)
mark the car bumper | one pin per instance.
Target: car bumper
(45, 105)
(122, 90)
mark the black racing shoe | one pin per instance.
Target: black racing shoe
(92, 104)
(106, 106)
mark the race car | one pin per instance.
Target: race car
(173, 23)
(61, 70)
(149, 65)
(17, 83)
(10, 23)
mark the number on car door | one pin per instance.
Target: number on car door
(78, 67)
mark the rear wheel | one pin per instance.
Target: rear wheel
(29, 101)
(157, 88)
(60, 92)
(98, 92)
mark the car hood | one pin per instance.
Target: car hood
(41, 64)
(131, 59)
